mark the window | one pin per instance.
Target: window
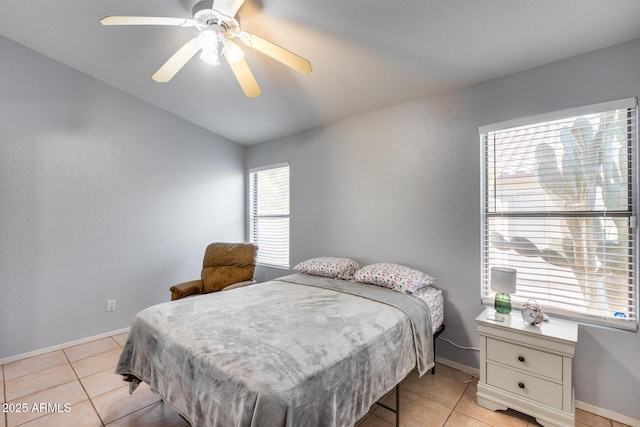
(559, 206)
(269, 214)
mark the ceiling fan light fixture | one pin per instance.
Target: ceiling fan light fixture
(210, 57)
(232, 52)
(209, 41)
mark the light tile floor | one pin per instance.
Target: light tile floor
(76, 387)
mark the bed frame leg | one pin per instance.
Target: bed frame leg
(397, 409)
(433, 372)
(435, 337)
(398, 405)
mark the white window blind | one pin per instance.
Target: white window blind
(559, 206)
(269, 214)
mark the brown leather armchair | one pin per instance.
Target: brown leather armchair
(225, 266)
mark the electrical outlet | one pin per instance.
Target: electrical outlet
(111, 305)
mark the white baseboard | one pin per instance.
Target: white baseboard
(608, 414)
(61, 346)
(459, 366)
(580, 405)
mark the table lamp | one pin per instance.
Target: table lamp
(503, 283)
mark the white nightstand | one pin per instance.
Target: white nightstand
(526, 367)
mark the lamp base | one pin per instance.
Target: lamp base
(502, 303)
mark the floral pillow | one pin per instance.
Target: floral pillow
(393, 276)
(333, 267)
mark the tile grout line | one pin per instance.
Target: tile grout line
(456, 404)
(131, 413)
(77, 377)
(451, 410)
(33, 372)
(83, 387)
(126, 415)
(27, 395)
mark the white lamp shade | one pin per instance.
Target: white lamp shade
(503, 280)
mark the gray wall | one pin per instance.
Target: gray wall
(101, 197)
(402, 184)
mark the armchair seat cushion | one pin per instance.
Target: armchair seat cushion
(240, 285)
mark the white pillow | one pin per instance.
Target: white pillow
(393, 276)
(333, 267)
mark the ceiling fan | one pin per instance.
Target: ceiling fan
(218, 29)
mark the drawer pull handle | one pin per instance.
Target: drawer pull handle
(521, 385)
(521, 358)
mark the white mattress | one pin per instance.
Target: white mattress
(433, 297)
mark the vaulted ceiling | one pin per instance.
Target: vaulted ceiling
(365, 54)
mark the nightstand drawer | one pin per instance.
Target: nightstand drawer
(524, 385)
(527, 359)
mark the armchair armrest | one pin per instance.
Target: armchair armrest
(185, 289)
(240, 284)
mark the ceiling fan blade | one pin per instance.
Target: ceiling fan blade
(226, 7)
(245, 78)
(177, 61)
(234, 6)
(276, 52)
(146, 20)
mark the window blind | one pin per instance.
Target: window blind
(269, 214)
(559, 206)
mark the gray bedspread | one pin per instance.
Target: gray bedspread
(296, 351)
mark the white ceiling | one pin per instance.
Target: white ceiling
(365, 54)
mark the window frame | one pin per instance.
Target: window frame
(253, 216)
(487, 296)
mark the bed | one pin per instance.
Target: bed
(298, 350)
